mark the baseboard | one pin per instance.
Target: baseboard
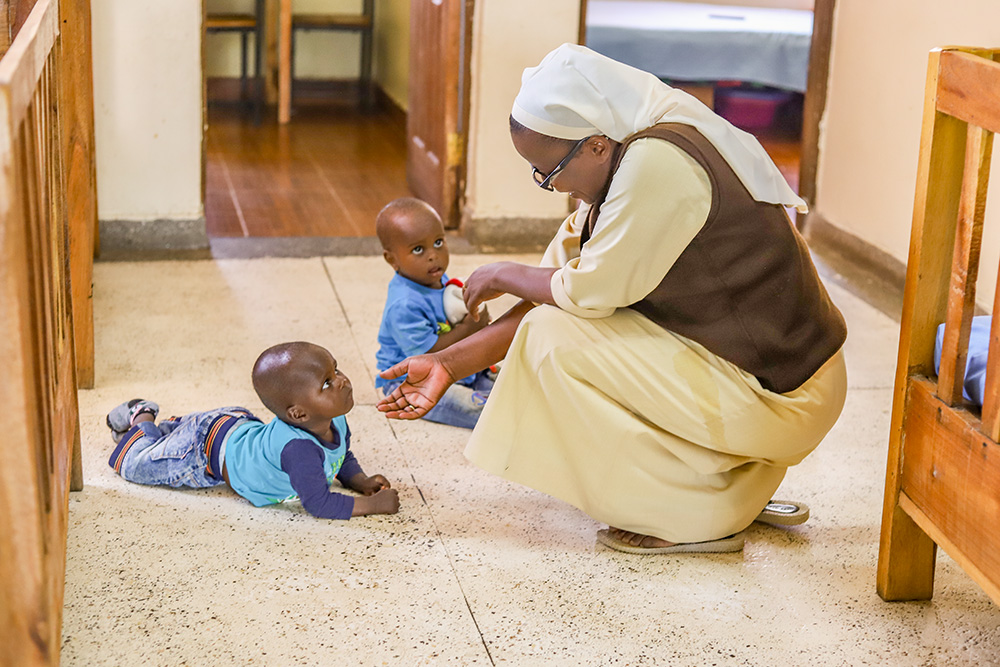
(122, 239)
(227, 89)
(510, 234)
(307, 92)
(845, 259)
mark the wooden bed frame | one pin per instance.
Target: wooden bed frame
(943, 472)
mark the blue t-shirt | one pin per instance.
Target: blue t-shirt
(411, 323)
(274, 462)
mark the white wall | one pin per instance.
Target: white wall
(509, 35)
(148, 108)
(870, 134)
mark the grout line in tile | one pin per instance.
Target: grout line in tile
(439, 534)
(451, 563)
(347, 318)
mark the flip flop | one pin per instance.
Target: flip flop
(724, 545)
(783, 513)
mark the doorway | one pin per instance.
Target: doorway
(762, 64)
(329, 170)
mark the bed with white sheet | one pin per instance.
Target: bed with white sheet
(686, 41)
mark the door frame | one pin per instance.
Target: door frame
(454, 221)
(444, 183)
(815, 99)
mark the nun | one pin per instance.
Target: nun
(675, 351)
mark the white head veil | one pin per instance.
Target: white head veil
(575, 92)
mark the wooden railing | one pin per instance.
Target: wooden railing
(77, 98)
(39, 418)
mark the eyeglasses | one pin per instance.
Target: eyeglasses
(545, 182)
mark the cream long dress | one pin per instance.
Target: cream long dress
(639, 427)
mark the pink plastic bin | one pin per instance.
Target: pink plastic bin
(749, 109)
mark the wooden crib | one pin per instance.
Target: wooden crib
(943, 472)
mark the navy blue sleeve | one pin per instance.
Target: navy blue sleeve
(302, 460)
(350, 467)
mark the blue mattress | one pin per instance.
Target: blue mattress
(974, 387)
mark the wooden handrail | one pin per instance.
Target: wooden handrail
(40, 418)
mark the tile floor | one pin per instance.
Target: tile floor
(473, 570)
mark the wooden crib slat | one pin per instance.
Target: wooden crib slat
(965, 264)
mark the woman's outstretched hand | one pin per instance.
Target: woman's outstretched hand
(427, 379)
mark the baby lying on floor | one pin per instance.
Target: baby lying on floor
(296, 455)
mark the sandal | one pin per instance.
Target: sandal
(783, 513)
(723, 545)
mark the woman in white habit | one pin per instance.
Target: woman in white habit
(675, 351)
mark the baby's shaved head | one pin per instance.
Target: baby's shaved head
(279, 372)
(396, 213)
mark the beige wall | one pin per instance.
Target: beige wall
(871, 129)
(509, 35)
(147, 103)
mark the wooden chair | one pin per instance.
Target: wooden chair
(39, 417)
(943, 472)
(290, 23)
(245, 25)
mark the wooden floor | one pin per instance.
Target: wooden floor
(329, 172)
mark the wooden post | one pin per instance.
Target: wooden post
(906, 553)
(77, 116)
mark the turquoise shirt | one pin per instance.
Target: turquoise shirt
(253, 459)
